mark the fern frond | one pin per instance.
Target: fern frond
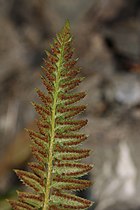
(56, 144)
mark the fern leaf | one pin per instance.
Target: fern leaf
(71, 169)
(18, 205)
(69, 184)
(67, 201)
(31, 199)
(56, 144)
(31, 180)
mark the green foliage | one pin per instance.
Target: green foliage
(55, 173)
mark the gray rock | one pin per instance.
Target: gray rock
(127, 90)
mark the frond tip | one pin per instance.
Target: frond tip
(56, 144)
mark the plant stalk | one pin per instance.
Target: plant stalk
(50, 159)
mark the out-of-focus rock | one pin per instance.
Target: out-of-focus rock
(103, 11)
(96, 56)
(127, 89)
(116, 160)
(12, 52)
(123, 206)
(15, 155)
(126, 35)
(74, 10)
(114, 136)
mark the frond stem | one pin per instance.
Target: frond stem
(50, 160)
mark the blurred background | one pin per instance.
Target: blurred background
(107, 40)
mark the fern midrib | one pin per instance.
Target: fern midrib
(50, 158)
